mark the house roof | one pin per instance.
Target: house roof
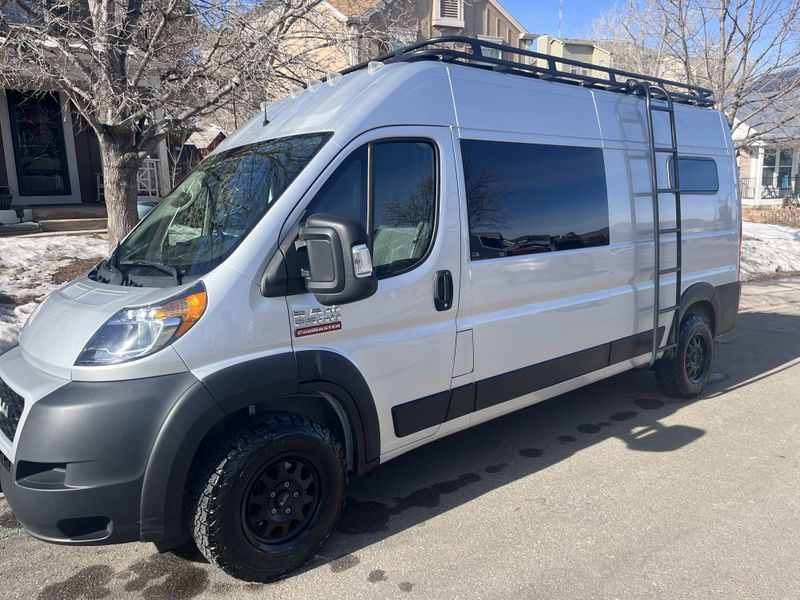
(771, 115)
(207, 137)
(357, 8)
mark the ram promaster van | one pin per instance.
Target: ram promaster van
(396, 253)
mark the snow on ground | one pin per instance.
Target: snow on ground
(769, 249)
(26, 269)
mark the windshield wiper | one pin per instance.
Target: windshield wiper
(110, 264)
(168, 269)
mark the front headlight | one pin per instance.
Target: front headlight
(138, 331)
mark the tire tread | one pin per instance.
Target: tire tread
(669, 371)
(220, 464)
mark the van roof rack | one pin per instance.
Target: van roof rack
(471, 52)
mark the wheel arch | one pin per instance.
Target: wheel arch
(700, 296)
(304, 382)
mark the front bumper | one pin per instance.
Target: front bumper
(80, 458)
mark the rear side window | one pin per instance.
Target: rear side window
(698, 175)
(534, 198)
(391, 188)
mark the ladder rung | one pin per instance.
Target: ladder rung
(668, 231)
(667, 109)
(663, 311)
(669, 271)
(668, 347)
(668, 190)
(670, 149)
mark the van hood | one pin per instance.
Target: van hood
(63, 324)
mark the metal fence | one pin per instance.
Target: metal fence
(788, 190)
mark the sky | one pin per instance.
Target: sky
(541, 16)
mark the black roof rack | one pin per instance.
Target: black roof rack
(470, 52)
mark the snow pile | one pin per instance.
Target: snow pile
(26, 269)
(12, 318)
(769, 249)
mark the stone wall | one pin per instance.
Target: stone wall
(781, 216)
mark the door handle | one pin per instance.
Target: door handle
(443, 290)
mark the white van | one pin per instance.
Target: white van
(430, 241)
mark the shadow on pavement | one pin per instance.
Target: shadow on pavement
(443, 475)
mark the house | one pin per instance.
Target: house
(375, 27)
(767, 135)
(48, 155)
(574, 49)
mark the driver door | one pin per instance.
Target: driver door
(402, 343)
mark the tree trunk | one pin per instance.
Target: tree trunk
(119, 187)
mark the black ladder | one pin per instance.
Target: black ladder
(664, 104)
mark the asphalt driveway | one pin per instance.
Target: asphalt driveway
(612, 491)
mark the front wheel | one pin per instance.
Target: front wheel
(686, 372)
(268, 496)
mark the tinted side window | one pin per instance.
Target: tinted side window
(534, 198)
(401, 200)
(404, 204)
(345, 192)
(698, 175)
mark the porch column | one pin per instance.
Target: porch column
(758, 166)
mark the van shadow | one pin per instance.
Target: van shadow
(428, 481)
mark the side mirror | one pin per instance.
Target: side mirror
(339, 261)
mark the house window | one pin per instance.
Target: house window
(777, 170)
(491, 52)
(575, 70)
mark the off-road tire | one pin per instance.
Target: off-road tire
(672, 374)
(218, 510)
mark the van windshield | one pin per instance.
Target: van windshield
(200, 223)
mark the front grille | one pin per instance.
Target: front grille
(11, 405)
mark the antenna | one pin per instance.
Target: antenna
(560, 15)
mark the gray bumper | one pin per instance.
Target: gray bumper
(81, 456)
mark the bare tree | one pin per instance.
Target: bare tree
(136, 69)
(746, 51)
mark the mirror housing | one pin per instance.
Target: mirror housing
(339, 261)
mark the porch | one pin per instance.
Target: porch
(49, 156)
(770, 175)
(761, 192)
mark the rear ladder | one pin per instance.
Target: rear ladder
(663, 103)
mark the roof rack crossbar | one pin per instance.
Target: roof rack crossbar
(470, 52)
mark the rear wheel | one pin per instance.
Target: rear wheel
(268, 497)
(686, 372)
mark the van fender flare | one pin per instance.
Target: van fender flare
(699, 292)
(205, 404)
(326, 371)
